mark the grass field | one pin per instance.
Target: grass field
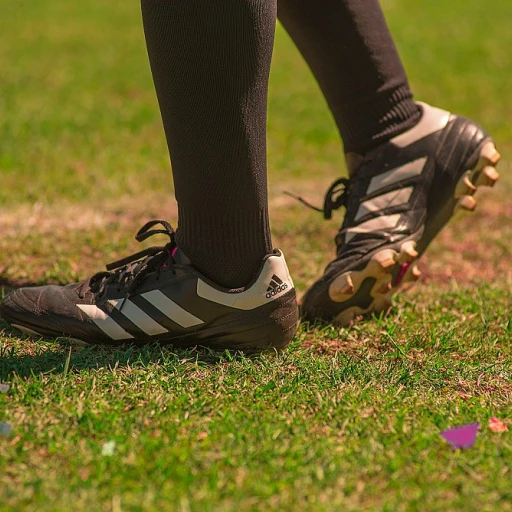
(345, 419)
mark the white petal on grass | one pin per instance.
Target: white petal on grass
(4, 388)
(107, 450)
(5, 429)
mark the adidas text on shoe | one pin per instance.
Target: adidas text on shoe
(398, 198)
(275, 287)
(157, 295)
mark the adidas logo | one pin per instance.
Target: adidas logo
(275, 286)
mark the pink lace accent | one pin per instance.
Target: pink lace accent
(401, 273)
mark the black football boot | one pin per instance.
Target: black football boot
(157, 295)
(398, 198)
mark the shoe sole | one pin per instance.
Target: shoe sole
(236, 336)
(230, 343)
(370, 290)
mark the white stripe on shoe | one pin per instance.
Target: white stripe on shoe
(432, 120)
(393, 198)
(404, 172)
(171, 310)
(378, 224)
(257, 294)
(109, 326)
(141, 319)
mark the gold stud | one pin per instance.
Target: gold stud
(341, 287)
(408, 252)
(489, 153)
(415, 273)
(464, 186)
(467, 203)
(386, 259)
(488, 177)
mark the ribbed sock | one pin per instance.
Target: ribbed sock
(210, 62)
(347, 45)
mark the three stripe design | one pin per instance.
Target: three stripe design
(136, 315)
(395, 197)
(275, 283)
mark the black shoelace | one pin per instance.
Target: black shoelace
(133, 269)
(336, 196)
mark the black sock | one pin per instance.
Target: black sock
(347, 45)
(210, 62)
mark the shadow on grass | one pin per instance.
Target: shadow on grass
(62, 355)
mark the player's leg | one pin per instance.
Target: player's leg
(218, 282)
(347, 45)
(411, 165)
(210, 64)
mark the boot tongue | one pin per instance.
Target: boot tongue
(179, 257)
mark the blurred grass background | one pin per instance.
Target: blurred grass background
(80, 120)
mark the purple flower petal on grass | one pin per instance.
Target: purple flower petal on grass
(463, 436)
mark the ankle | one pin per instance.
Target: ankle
(372, 121)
